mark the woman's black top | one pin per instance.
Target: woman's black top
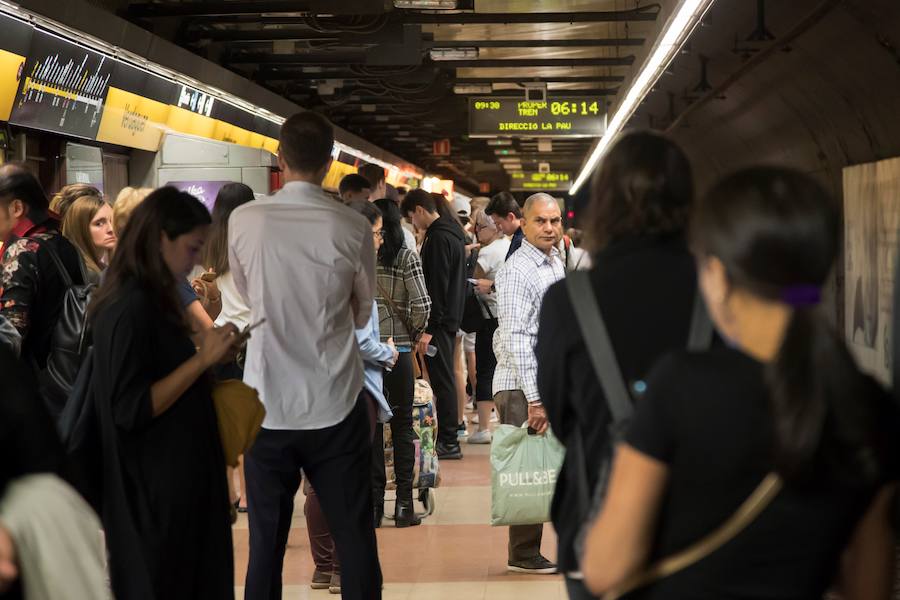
(645, 287)
(707, 417)
(165, 497)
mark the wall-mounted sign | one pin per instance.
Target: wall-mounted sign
(580, 116)
(441, 147)
(195, 101)
(55, 84)
(204, 191)
(62, 88)
(539, 182)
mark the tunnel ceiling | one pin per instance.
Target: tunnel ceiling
(811, 84)
(368, 65)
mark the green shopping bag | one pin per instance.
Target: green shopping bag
(524, 469)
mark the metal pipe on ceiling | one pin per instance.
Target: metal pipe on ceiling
(501, 63)
(588, 43)
(310, 58)
(644, 13)
(542, 78)
(290, 12)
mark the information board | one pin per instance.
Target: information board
(56, 84)
(539, 182)
(62, 88)
(581, 116)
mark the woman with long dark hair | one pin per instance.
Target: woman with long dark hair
(164, 494)
(645, 284)
(403, 309)
(784, 398)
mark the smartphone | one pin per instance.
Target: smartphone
(249, 328)
(473, 281)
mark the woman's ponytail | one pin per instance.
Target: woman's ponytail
(777, 233)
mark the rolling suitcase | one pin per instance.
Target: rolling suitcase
(426, 473)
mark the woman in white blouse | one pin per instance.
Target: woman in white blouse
(234, 309)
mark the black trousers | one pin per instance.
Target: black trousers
(443, 382)
(399, 387)
(485, 360)
(337, 461)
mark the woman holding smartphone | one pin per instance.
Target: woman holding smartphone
(164, 493)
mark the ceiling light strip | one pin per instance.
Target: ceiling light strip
(675, 33)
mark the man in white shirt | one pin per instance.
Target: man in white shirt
(521, 284)
(306, 264)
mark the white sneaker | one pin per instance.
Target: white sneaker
(481, 437)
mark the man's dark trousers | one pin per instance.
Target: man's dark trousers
(337, 461)
(443, 383)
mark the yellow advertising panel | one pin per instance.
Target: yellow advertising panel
(9, 81)
(132, 120)
(191, 123)
(337, 172)
(271, 144)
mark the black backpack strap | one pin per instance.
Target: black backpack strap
(57, 261)
(599, 346)
(701, 335)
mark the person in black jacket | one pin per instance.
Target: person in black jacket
(444, 263)
(645, 282)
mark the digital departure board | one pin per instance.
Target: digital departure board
(581, 116)
(62, 88)
(539, 182)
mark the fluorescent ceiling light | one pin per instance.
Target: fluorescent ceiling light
(453, 53)
(499, 142)
(677, 30)
(473, 88)
(510, 159)
(426, 4)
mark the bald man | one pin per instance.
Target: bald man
(521, 285)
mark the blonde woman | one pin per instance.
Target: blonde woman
(88, 224)
(125, 203)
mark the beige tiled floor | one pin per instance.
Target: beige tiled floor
(543, 590)
(456, 554)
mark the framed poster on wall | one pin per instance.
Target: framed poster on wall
(871, 236)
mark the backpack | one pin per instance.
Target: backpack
(615, 390)
(70, 341)
(473, 316)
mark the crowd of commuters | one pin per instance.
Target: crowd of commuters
(350, 297)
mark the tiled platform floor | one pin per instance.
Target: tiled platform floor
(454, 554)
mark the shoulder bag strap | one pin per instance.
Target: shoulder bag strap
(57, 261)
(599, 346)
(746, 513)
(701, 335)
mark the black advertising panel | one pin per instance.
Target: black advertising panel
(530, 181)
(16, 36)
(581, 116)
(63, 87)
(138, 81)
